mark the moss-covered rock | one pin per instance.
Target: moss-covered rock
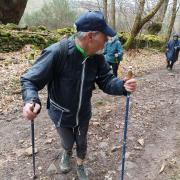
(12, 39)
(144, 41)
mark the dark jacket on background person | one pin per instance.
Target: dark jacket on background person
(173, 47)
(70, 95)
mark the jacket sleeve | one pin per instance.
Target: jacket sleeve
(38, 75)
(107, 81)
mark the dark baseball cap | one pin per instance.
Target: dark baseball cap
(93, 21)
(175, 35)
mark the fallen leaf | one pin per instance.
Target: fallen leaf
(162, 167)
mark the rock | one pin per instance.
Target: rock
(103, 145)
(52, 169)
(141, 141)
(129, 165)
(21, 141)
(128, 155)
(28, 151)
(19, 152)
(109, 175)
(95, 123)
(138, 148)
(171, 74)
(40, 168)
(49, 141)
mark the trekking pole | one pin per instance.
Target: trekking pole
(129, 76)
(33, 145)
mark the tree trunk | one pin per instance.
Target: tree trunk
(135, 28)
(162, 11)
(11, 11)
(173, 17)
(105, 9)
(113, 14)
(139, 22)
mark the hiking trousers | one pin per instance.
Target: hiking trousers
(77, 135)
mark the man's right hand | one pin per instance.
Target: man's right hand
(31, 110)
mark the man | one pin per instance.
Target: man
(172, 51)
(70, 93)
(113, 53)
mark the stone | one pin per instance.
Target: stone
(28, 151)
(141, 141)
(103, 145)
(52, 169)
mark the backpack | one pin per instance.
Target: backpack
(62, 55)
(59, 65)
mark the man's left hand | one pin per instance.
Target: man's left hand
(116, 55)
(130, 85)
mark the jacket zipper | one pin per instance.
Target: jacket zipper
(81, 90)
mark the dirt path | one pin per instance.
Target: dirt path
(154, 120)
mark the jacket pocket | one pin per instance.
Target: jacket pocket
(56, 113)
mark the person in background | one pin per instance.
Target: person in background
(172, 51)
(113, 53)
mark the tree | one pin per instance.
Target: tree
(105, 9)
(113, 14)
(173, 17)
(11, 11)
(140, 21)
(156, 25)
(55, 14)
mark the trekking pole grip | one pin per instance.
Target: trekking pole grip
(130, 73)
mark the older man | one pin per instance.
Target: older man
(70, 90)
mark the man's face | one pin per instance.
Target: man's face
(175, 38)
(96, 42)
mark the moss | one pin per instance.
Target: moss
(11, 26)
(11, 40)
(65, 31)
(14, 40)
(143, 41)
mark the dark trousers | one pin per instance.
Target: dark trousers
(77, 135)
(170, 64)
(114, 68)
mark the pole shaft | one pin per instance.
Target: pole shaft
(125, 136)
(33, 146)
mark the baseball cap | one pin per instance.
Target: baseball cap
(175, 35)
(93, 21)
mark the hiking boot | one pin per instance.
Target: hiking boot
(65, 162)
(82, 173)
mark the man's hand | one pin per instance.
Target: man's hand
(30, 110)
(130, 85)
(116, 55)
